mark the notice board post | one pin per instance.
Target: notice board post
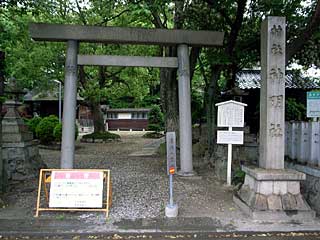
(230, 114)
(171, 209)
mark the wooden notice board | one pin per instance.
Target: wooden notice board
(74, 190)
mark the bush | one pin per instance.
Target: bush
(238, 177)
(153, 135)
(57, 132)
(32, 125)
(295, 110)
(44, 129)
(102, 135)
(154, 127)
(155, 119)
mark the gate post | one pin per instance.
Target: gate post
(185, 128)
(69, 106)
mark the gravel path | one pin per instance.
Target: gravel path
(140, 184)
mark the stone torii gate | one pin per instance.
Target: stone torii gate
(73, 34)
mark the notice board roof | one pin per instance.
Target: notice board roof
(231, 101)
(123, 35)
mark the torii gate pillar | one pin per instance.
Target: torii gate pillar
(186, 168)
(69, 106)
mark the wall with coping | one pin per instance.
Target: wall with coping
(310, 188)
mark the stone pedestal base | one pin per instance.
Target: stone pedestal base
(273, 195)
(20, 152)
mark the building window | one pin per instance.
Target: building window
(112, 116)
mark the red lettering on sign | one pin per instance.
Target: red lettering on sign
(76, 175)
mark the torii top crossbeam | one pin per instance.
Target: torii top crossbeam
(73, 34)
(124, 35)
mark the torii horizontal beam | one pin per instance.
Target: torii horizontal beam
(128, 61)
(124, 35)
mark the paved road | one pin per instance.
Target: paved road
(170, 236)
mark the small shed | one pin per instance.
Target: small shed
(127, 118)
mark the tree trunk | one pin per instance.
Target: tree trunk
(169, 98)
(210, 108)
(3, 178)
(168, 80)
(97, 115)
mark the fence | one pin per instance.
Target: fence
(303, 142)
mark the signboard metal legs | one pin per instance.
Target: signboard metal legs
(229, 162)
(171, 208)
(171, 190)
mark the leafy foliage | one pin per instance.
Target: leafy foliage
(57, 132)
(155, 119)
(32, 124)
(102, 135)
(153, 135)
(36, 64)
(44, 129)
(238, 177)
(294, 110)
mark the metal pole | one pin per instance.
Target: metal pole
(69, 106)
(171, 190)
(229, 162)
(185, 111)
(60, 110)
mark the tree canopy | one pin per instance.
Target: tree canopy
(36, 64)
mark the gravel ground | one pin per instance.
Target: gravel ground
(140, 184)
(140, 193)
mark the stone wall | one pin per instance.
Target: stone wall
(311, 191)
(310, 188)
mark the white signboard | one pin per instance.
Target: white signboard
(171, 151)
(230, 114)
(76, 189)
(313, 104)
(230, 137)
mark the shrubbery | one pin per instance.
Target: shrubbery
(295, 110)
(32, 125)
(102, 135)
(44, 130)
(47, 129)
(155, 119)
(57, 132)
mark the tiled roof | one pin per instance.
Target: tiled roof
(250, 79)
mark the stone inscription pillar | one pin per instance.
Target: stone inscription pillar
(185, 111)
(69, 106)
(270, 192)
(272, 93)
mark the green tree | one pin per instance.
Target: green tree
(35, 64)
(155, 119)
